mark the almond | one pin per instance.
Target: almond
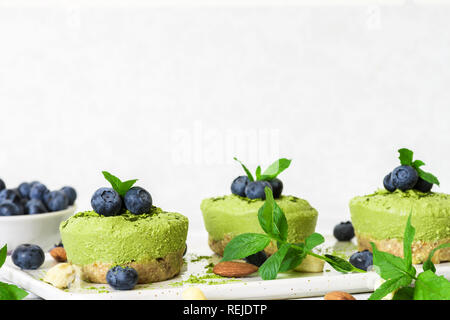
(233, 269)
(59, 254)
(338, 295)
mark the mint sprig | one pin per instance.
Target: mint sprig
(249, 175)
(406, 159)
(400, 273)
(121, 187)
(270, 173)
(9, 291)
(289, 255)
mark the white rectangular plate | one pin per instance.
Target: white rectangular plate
(291, 285)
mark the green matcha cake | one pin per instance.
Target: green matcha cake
(228, 216)
(381, 217)
(152, 243)
(231, 215)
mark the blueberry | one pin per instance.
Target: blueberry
(138, 201)
(2, 185)
(32, 183)
(56, 201)
(423, 186)
(257, 259)
(277, 187)
(122, 278)
(106, 201)
(24, 189)
(404, 177)
(387, 182)
(28, 256)
(23, 201)
(9, 194)
(344, 231)
(362, 260)
(238, 185)
(255, 189)
(38, 191)
(9, 208)
(35, 206)
(70, 193)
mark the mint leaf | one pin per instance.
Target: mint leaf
(428, 264)
(125, 186)
(258, 173)
(279, 219)
(113, 180)
(275, 169)
(340, 264)
(271, 267)
(407, 242)
(389, 266)
(389, 286)
(406, 157)
(11, 292)
(272, 219)
(418, 163)
(429, 286)
(265, 215)
(427, 176)
(249, 175)
(405, 293)
(121, 187)
(3, 253)
(293, 258)
(313, 240)
(244, 245)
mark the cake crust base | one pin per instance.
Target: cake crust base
(152, 271)
(420, 249)
(218, 246)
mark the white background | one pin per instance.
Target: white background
(170, 94)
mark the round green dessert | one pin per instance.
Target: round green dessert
(228, 216)
(152, 243)
(381, 218)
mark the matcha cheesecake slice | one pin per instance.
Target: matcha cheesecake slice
(381, 218)
(228, 216)
(152, 243)
(231, 215)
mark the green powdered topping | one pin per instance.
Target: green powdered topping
(209, 268)
(199, 258)
(210, 279)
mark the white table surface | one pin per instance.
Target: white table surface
(196, 240)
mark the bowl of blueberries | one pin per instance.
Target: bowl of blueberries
(31, 213)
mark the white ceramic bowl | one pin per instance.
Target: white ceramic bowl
(41, 229)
